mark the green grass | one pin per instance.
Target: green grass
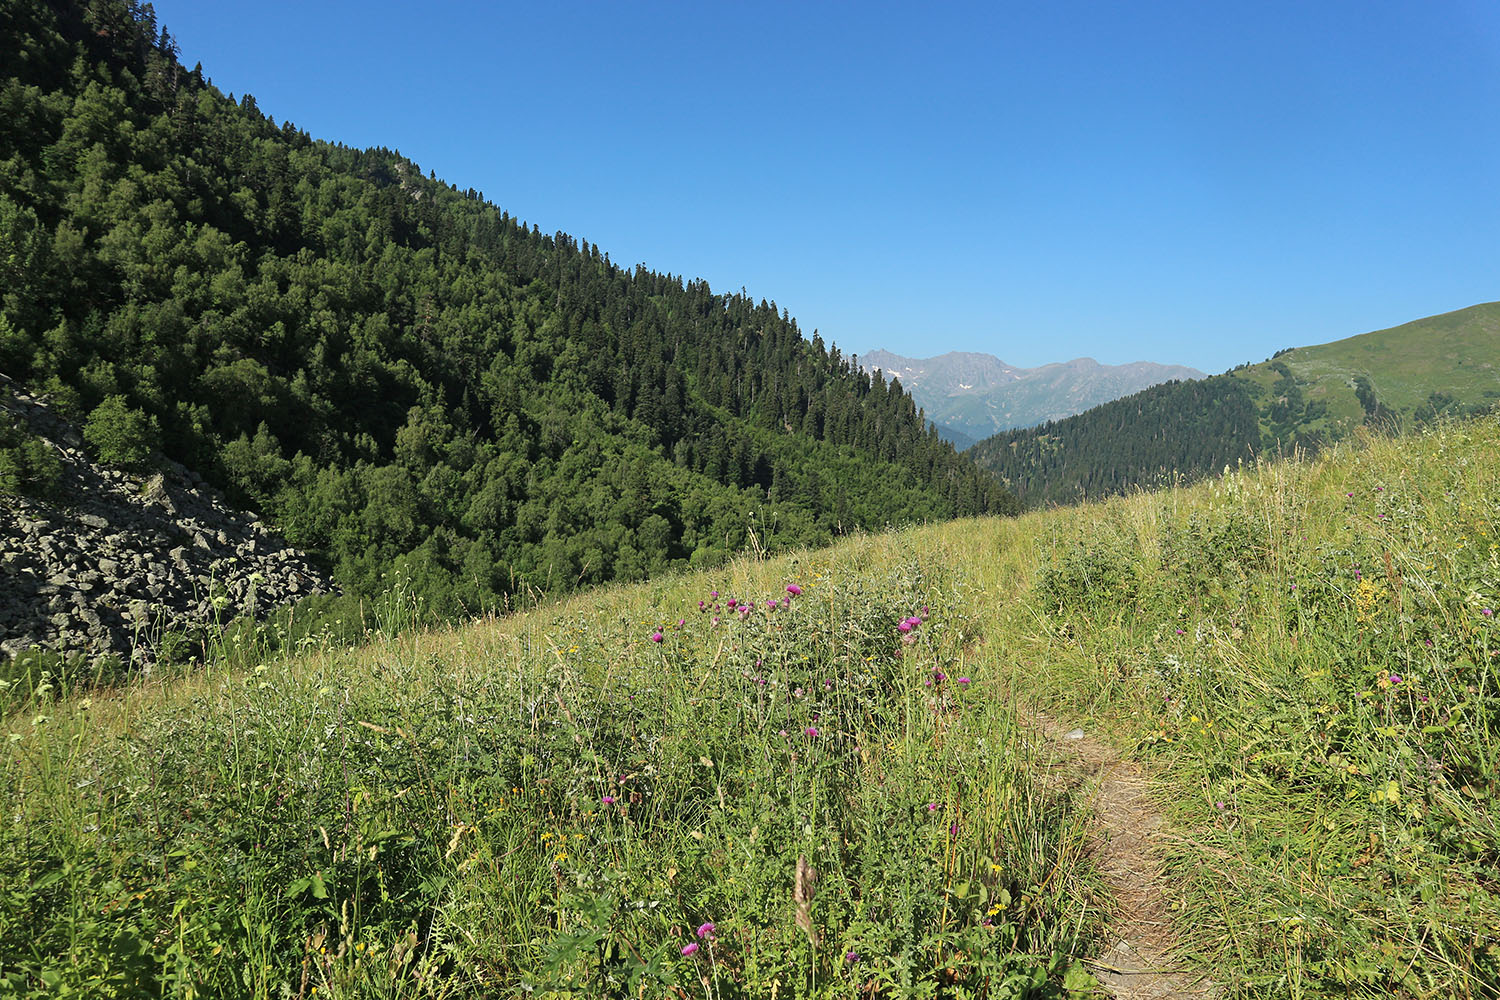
(1306, 656)
(1300, 654)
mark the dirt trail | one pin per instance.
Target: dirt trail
(1138, 963)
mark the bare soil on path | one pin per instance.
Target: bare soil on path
(1128, 843)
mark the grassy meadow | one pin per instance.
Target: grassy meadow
(716, 786)
(1306, 657)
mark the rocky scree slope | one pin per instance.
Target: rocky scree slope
(112, 562)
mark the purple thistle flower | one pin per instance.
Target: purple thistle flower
(811, 730)
(706, 930)
(938, 675)
(1487, 612)
(851, 957)
(904, 627)
(730, 604)
(964, 680)
(934, 806)
(657, 636)
(714, 594)
(794, 590)
(771, 604)
(608, 800)
(689, 948)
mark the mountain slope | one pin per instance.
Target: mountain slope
(405, 379)
(978, 394)
(1303, 397)
(1298, 660)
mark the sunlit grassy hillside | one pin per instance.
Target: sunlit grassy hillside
(1306, 656)
(1451, 354)
(632, 794)
(1302, 399)
(789, 778)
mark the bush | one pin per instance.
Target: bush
(121, 435)
(27, 465)
(1090, 575)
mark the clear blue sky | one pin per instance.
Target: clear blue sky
(1187, 182)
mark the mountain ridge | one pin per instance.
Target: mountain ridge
(978, 394)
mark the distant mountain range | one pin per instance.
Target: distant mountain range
(972, 396)
(1301, 398)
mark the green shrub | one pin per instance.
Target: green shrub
(1090, 575)
(27, 465)
(1214, 552)
(121, 435)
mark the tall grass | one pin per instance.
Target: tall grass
(1307, 653)
(610, 797)
(803, 800)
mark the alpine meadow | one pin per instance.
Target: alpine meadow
(398, 601)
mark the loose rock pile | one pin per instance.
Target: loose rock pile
(115, 561)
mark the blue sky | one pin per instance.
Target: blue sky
(1185, 182)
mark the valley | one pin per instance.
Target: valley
(399, 601)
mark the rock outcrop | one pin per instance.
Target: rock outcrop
(114, 561)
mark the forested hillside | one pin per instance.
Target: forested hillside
(401, 376)
(1303, 398)
(1177, 427)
